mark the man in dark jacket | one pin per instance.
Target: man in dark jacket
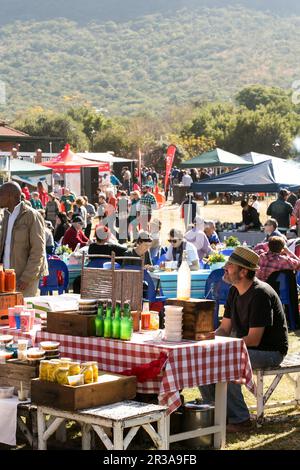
(281, 211)
(250, 217)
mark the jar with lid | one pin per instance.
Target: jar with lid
(154, 320)
(87, 371)
(43, 370)
(74, 368)
(61, 375)
(52, 368)
(10, 280)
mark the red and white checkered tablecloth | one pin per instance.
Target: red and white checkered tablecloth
(189, 363)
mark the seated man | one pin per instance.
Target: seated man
(198, 238)
(254, 312)
(210, 232)
(250, 217)
(277, 258)
(105, 245)
(271, 230)
(141, 248)
(175, 250)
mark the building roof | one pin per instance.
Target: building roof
(9, 131)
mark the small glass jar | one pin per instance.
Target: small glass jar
(52, 368)
(43, 370)
(74, 368)
(87, 371)
(94, 365)
(154, 320)
(10, 280)
(61, 375)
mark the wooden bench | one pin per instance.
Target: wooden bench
(290, 365)
(118, 416)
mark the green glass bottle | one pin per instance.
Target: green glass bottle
(108, 320)
(116, 322)
(99, 320)
(126, 322)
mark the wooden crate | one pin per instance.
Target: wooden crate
(13, 371)
(198, 317)
(9, 299)
(115, 284)
(71, 323)
(103, 392)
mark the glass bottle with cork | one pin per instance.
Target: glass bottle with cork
(126, 322)
(184, 279)
(99, 320)
(108, 320)
(116, 322)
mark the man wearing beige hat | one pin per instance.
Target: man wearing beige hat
(254, 312)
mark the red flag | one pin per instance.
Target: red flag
(169, 163)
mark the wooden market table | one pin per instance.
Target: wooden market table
(252, 237)
(188, 364)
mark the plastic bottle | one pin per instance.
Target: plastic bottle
(245, 244)
(99, 320)
(108, 320)
(184, 279)
(116, 322)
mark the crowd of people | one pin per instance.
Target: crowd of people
(123, 221)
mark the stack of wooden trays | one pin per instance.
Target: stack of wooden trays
(88, 306)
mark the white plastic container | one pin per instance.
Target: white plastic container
(184, 279)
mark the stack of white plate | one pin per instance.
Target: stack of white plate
(173, 323)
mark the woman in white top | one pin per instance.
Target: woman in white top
(178, 245)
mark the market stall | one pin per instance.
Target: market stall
(69, 164)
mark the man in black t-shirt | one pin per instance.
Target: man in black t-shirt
(254, 312)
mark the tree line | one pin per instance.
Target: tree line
(261, 119)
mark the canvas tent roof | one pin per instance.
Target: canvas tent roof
(215, 158)
(268, 176)
(103, 157)
(255, 158)
(23, 167)
(23, 170)
(70, 162)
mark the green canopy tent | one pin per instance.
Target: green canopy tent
(215, 158)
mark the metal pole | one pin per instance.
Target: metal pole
(8, 171)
